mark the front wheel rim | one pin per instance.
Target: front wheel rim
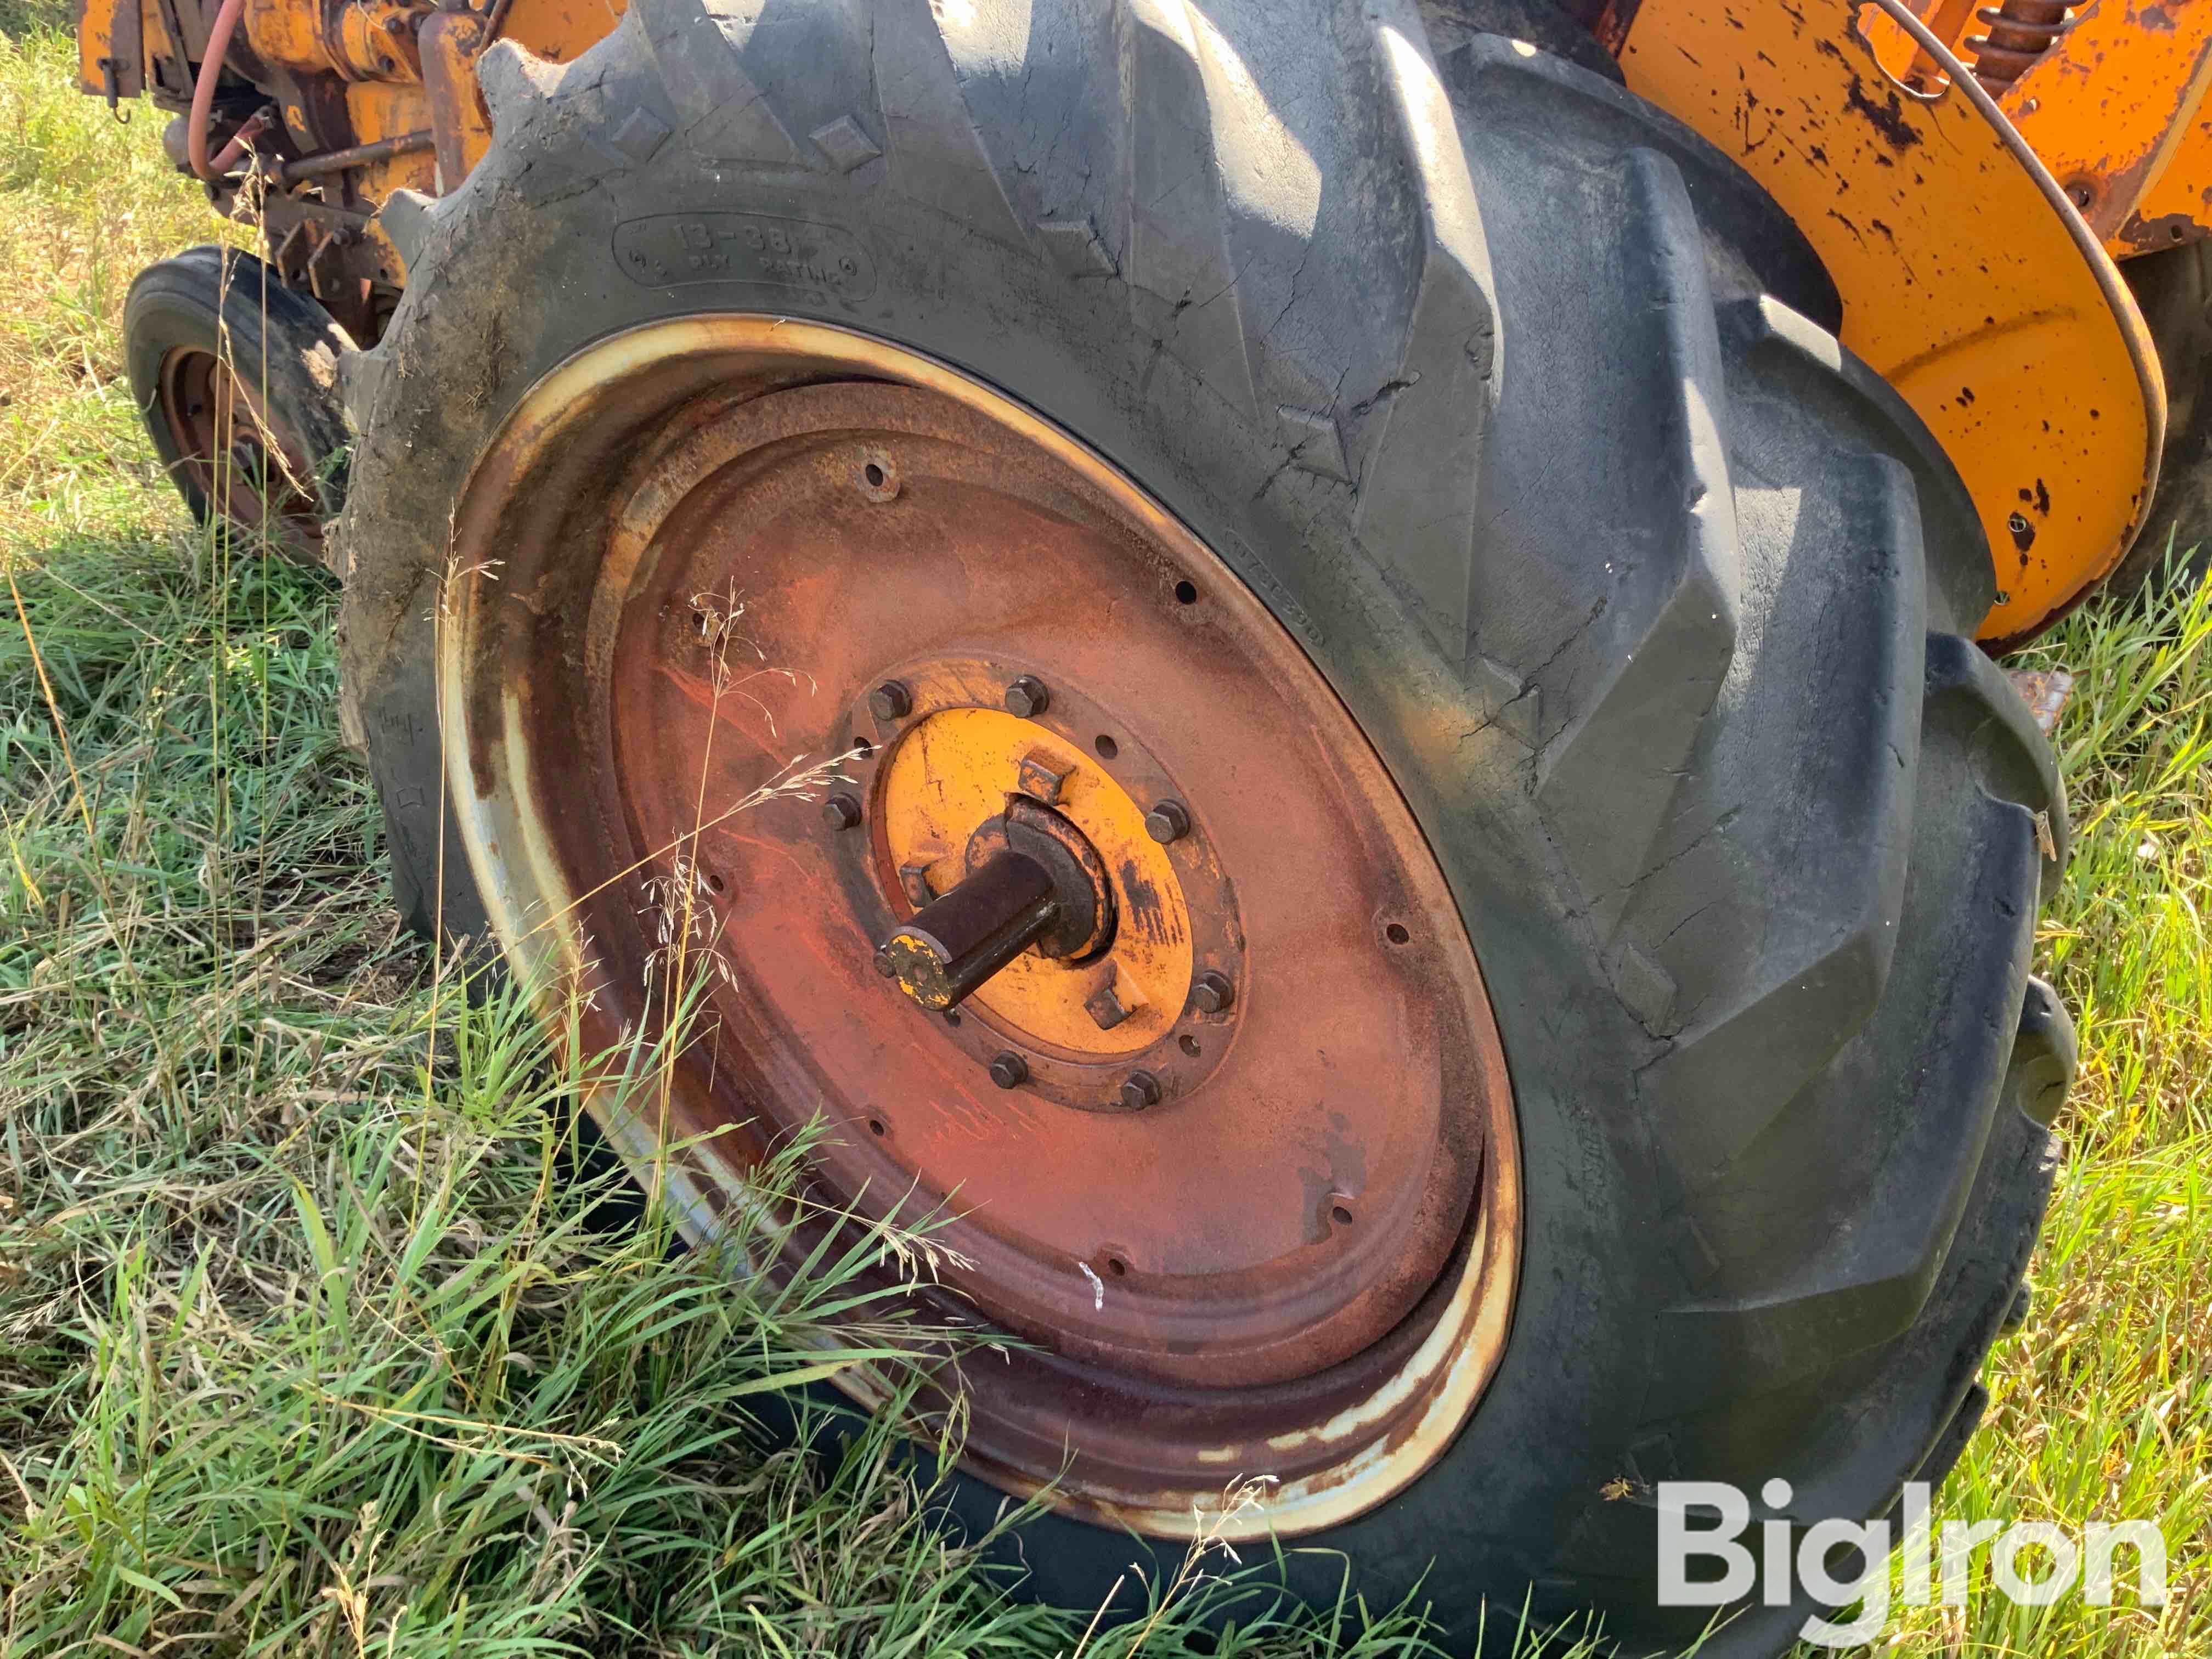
(246, 469)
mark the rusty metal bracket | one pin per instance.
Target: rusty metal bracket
(460, 128)
(2110, 108)
(356, 155)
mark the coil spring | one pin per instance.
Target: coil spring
(2020, 32)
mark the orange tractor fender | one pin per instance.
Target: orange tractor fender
(1970, 281)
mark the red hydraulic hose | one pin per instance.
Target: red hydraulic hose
(195, 132)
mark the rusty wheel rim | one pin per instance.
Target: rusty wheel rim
(1239, 1162)
(244, 467)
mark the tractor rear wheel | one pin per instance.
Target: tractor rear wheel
(1418, 809)
(236, 377)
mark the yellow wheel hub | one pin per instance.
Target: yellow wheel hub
(955, 770)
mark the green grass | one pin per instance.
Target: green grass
(309, 1341)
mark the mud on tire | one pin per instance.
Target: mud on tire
(1522, 409)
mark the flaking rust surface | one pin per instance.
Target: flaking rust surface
(2115, 113)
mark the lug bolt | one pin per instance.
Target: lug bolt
(1212, 992)
(1167, 822)
(841, 811)
(1027, 697)
(1010, 1071)
(1138, 1090)
(890, 701)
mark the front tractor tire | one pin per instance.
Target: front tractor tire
(1345, 399)
(236, 378)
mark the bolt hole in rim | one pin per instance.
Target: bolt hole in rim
(1246, 1334)
(1106, 747)
(879, 479)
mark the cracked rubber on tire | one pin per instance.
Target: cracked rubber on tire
(1522, 410)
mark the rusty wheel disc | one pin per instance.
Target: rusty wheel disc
(1113, 941)
(243, 466)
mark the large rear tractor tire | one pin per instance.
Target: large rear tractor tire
(236, 377)
(1376, 526)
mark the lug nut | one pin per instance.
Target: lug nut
(1027, 697)
(913, 882)
(841, 811)
(890, 700)
(1167, 822)
(1138, 1090)
(1010, 1071)
(1212, 992)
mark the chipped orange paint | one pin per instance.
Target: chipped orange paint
(2177, 204)
(2108, 108)
(1967, 281)
(98, 22)
(954, 771)
(559, 31)
(365, 45)
(460, 123)
(1899, 50)
(2117, 110)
